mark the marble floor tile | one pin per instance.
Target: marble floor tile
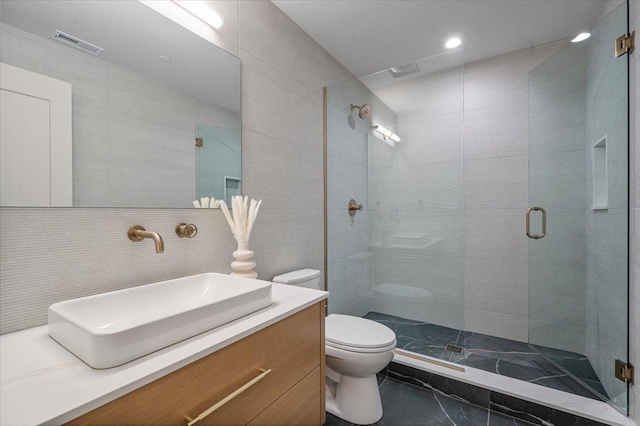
(553, 368)
(405, 404)
(499, 419)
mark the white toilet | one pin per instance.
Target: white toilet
(356, 349)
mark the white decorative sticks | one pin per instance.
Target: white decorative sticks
(241, 221)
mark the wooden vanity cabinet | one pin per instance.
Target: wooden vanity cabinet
(292, 393)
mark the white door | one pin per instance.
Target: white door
(35, 139)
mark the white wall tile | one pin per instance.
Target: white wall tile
(565, 240)
(503, 79)
(346, 143)
(496, 286)
(557, 180)
(336, 72)
(294, 184)
(437, 185)
(558, 124)
(274, 105)
(287, 239)
(497, 131)
(429, 139)
(496, 235)
(346, 181)
(496, 324)
(607, 247)
(496, 183)
(272, 37)
(86, 251)
(569, 337)
(347, 235)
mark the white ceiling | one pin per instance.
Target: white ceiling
(134, 36)
(370, 36)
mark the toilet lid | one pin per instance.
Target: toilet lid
(355, 332)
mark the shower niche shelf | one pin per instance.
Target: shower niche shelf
(600, 181)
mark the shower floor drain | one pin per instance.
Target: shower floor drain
(454, 348)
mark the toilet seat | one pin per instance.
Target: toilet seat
(358, 334)
(391, 347)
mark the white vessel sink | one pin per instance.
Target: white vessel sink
(110, 329)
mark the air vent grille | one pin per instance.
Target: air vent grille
(77, 43)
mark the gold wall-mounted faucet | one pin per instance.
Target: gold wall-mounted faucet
(138, 233)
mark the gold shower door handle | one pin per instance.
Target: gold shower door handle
(263, 374)
(544, 222)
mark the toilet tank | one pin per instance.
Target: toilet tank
(308, 278)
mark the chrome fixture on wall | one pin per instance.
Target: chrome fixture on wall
(184, 230)
(137, 233)
(354, 207)
(365, 110)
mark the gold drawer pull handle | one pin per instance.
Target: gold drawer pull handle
(228, 397)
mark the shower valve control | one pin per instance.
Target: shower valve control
(354, 207)
(184, 230)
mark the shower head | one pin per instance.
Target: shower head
(365, 110)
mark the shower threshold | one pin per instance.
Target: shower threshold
(552, 368)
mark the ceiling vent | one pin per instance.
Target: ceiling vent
(402, 70)
(77, 43)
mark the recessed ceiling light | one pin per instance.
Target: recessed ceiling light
(200, 10)
(165, 58)
(581, 37)
(453, 43)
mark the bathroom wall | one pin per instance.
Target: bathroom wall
(424, 270)
(48, 255)
(478, 274)
(113, 109)
(350, 145)
(496, 137)
(607, 229)
(557, 182)
(634, 200)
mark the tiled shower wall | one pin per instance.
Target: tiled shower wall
(634, 200)
(48, 255)
(496, 138)
(606, 281)
(557, 181)
(430, 193)
(349, 173)
(634, 241)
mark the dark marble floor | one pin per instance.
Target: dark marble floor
(406, 404)
(562, 370)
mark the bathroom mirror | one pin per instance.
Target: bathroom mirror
(111, 104)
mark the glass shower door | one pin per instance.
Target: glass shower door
(577, 219)
(399, 261)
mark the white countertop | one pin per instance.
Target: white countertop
(43, 383)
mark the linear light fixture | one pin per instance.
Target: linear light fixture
(386, 133)
(201, 11)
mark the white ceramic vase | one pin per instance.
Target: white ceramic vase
(243, 265)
